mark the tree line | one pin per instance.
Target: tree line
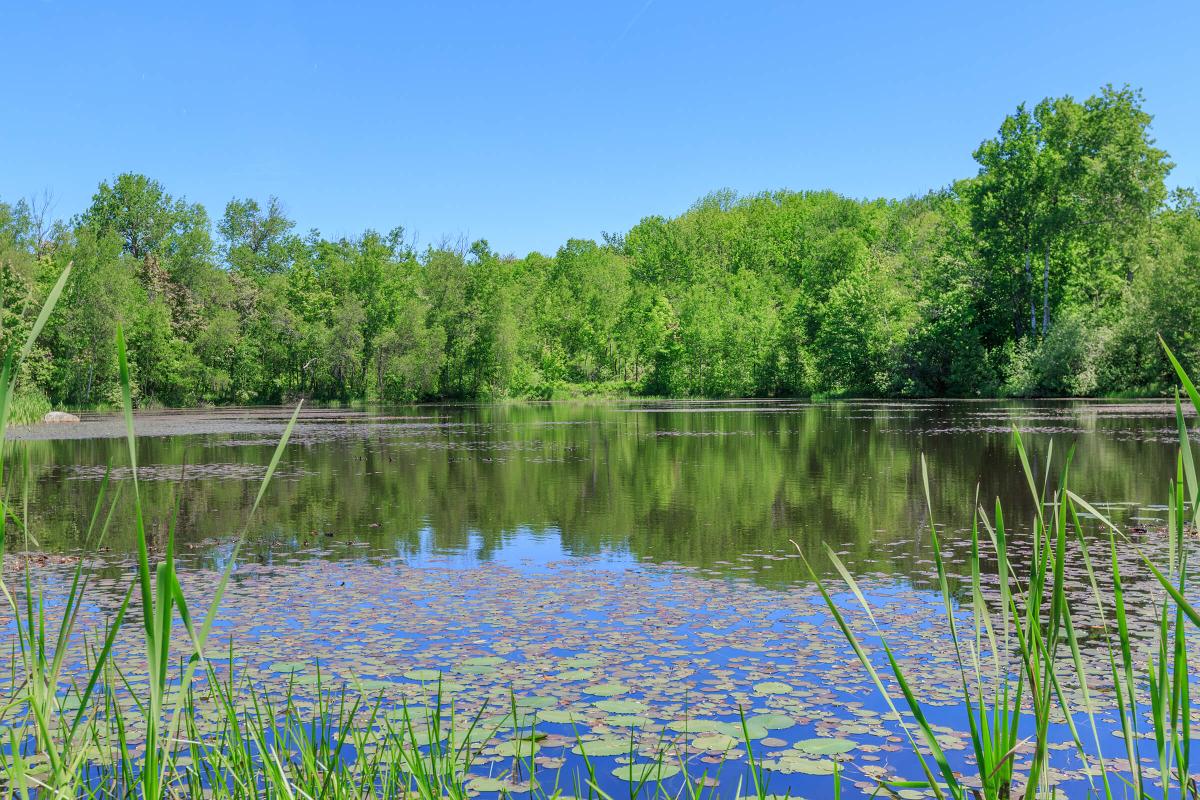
(1052, 271)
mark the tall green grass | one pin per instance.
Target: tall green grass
(1010, 652)
(28, 407)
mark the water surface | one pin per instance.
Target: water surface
(620, 567)
(701, 484)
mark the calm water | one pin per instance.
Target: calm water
(620, 567)
(699, 484)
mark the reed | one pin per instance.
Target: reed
(1017, 653)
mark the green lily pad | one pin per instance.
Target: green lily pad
(772, 687)
(483, 661)
(521, 747)
(791, 764)
(825, 747)
(423, 735)
(628, 720)
(491, 725)
(715, 741)
(604, 746)
(538, 701)
(489, 785)
(580, 662)
(475, 669)
(735, 729)
(772, 722)
(287, 666)
(621, 706)
(696, 725)
(647, 771)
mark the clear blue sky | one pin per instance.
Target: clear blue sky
(528, 123)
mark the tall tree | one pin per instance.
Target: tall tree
(257, 242)
(1067, 180)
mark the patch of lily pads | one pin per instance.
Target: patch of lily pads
(678, 664)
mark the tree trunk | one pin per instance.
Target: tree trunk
(1046, 290)
(1032, 302)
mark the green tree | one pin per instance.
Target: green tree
(258, 242)
(1068, 183)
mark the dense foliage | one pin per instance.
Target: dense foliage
(1049, 272)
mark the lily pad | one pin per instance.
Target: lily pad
(580, 662)
(715, 741)
(515, 747)
(489, 785)
(287, 666)
(798, 764)
(621, 706)
(604, 746)
(735, 729)
(475, 669)
(628, 720)
(772, 687)
(538, 701)
(696, 725)
(772, 722)
(825, 747)
(483, 661)
(648, 771)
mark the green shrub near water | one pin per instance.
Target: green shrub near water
(1069, 362)
(28, 407)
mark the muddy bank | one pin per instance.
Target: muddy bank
(266, 421)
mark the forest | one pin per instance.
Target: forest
(1050, 272)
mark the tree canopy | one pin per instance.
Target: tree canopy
(1051, 271)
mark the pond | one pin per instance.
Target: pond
(628, 574)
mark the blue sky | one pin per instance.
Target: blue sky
(528, 123)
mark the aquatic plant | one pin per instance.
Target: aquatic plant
(29, 406)
(1011, 662)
